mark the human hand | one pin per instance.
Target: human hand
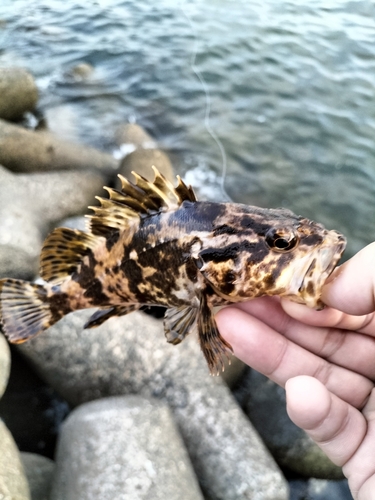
(326, 361)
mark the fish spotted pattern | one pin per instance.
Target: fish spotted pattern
(153, 244)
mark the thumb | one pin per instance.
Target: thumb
(351, 287)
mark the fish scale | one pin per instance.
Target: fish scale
(154, 244)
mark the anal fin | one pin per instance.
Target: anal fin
(213, 345)
(102, 315)
(177, 323)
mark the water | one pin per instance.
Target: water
(291, 89)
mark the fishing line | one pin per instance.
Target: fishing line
(206, 90)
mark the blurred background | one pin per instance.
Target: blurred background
(289, 88)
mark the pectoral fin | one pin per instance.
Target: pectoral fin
(213, 345)
(103, 314)
(177, 323)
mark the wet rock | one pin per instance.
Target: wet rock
(18, 93)
(24, 150)
(13, 482)
(39, 472)
(81, 71)
(123, 447)
(4, 364)
(129, 355)
(30, 204)
(265, 404)
(141, 162)
(131, 133)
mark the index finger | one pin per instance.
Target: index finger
(263, 348)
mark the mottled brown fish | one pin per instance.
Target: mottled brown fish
(153, 244)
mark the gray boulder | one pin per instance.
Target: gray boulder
(131, 133)
(13, 482)
(265, 404)
(129, 355)
(121, 448)
(24, 150)
(4, 364)
(30, 204)
(141, 161)
(39, 472)
(18, 93)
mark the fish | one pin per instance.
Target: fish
(150, 243)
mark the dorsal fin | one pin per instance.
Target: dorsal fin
(137, 200)
(62, 252)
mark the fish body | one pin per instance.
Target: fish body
(153, 244)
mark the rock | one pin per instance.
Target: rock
(320, 489)
(123, 447)
(18, 93)
(81, 71)
(131, 133)
(233, 372)
(265, 404)
(78, 222)
(30, 204)
(39, 472)
(141, 162)
(16, 263)
(4, 364)
(129, 355)
(13, 482)
(24, 150)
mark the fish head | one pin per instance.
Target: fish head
(270, 252)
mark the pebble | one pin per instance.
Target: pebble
(39, 472)
(13, 482)
(4, 364)
(24, 150)
(18, 93)
(130, 355)
(265, 404)
(30, 205)
(121, 448)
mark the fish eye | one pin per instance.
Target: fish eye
(281, 240)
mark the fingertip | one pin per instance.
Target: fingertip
(308, 401)
(351, 287)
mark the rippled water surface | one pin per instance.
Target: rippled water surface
(291, 91)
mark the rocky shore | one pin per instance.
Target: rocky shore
(147, 419)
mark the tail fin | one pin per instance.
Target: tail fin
(24, 309)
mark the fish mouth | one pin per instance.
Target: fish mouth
(322, 263)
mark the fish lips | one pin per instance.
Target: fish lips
(322, 263)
